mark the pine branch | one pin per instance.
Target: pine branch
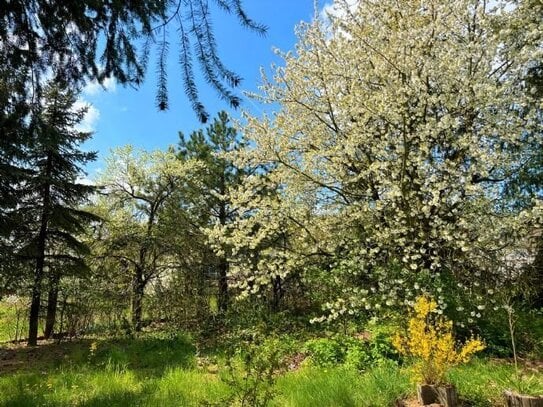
(203, 53)
(162, 74)
(185, 60)
(260, 29)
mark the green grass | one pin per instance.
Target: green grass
(340, 387)
(148, 371)
(110, 387)
(157, 370)
(482, 382)
(13, 323)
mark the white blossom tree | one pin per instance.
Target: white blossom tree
(399, 123)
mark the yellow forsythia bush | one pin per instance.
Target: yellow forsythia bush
(431, 343)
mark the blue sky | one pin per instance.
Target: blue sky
(122, 115)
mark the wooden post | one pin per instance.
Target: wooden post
(431, 394)
(426, 394)
(518, 400)
(447, 396)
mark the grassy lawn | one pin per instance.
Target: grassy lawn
(161, 371)
(13, 323)
(149, 371)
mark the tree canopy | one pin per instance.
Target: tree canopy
(82, 41)
(398, 128)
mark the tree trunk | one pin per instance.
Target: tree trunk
(277, 293)
(52, 301)
(223, 285)
(62, 311)
(537, 272)
(223, 262)
(34, 315)
(138, 288)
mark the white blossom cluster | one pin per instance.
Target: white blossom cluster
(399, 123)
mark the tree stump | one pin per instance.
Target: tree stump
(519, 400)
(431, 394)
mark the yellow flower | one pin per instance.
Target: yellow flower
(431, 343)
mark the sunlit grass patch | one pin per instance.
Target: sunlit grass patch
(187, 388)
(482, 382)
(342, 387)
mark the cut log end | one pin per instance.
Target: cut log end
(445, 396)
(519, 400)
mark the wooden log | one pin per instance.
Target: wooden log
(442, 395)
(427, 394)
(519, 400)
(447, 396)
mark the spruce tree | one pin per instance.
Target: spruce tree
(14, 139)
(53, 194)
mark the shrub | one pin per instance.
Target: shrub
(325, 352)
(431, 343)
(355, 353)
(252, 369)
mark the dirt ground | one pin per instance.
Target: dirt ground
(15, 357)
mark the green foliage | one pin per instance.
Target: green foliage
(325, 352)
(151, 353)
(205, 202)
(159, 370)
(366, 188)
(384, 385)
(493, 328)
(482, 382)
(529, 384)
(114, 40)
(188, 388)
(359, 353)
(48, 238)
(119, 372)
(13, 318)
(252, 370)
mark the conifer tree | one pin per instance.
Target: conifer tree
(13, 144)
(209, 201)
(52, 195)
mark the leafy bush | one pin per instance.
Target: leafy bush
(430, 342)
(353, 352)
(357, 357)
(252, 369)
(325, 352)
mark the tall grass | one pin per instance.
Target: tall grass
(341, 387)
(191, 388)
(482, 382)
(111, 387)
(13, 318)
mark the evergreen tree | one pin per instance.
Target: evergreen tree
(14, 139)
(52, 194)
(208, 201)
